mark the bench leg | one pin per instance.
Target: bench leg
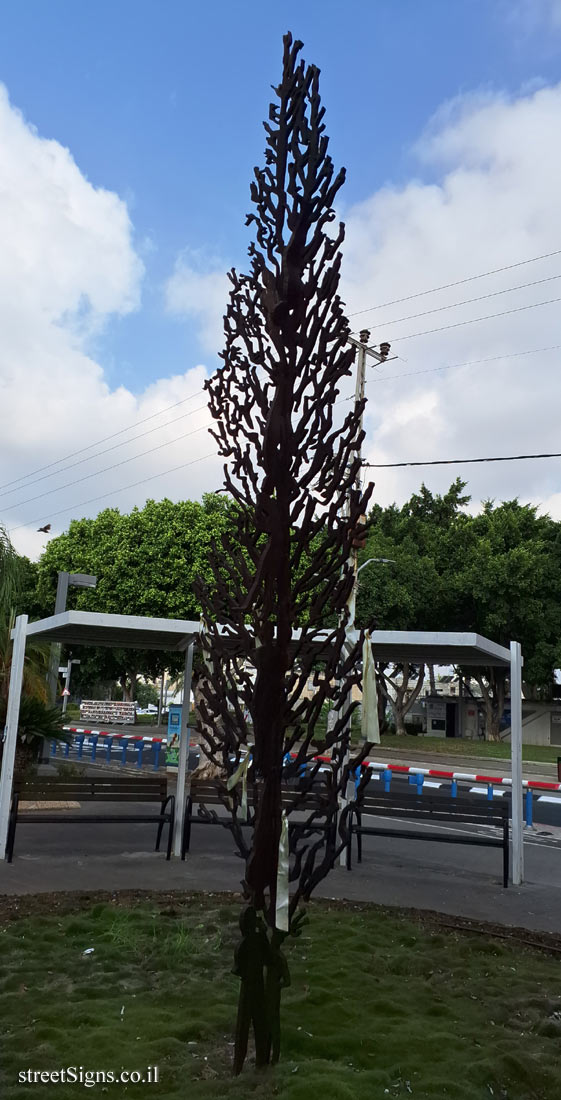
(161, 823)
(359, 838)
(350, 842)
(505, 854)
(170, 826)
(12, 828)
(186, 839)
(170, 800)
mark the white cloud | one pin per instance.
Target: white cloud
(67, 263)
(199, 288)
(532, 15)
(492, 200)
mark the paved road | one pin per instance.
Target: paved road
(451, 879)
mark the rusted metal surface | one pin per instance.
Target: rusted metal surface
(289, 469)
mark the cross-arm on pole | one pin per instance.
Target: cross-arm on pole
(11, 730)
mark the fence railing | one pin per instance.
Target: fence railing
(89, 742)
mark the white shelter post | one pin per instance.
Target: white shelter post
(11, 730)
(183, 761)
(516, 763)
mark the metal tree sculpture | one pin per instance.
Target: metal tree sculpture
(292, 473)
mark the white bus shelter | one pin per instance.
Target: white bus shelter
(177, 635)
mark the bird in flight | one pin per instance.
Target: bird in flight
(45, 529)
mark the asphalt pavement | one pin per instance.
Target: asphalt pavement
(454, 879)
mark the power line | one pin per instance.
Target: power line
(107, 469)
(122, 489)
(466, 301)
(474, 320)
(115, 465)
(105, 438)
(98, 454)
(468, 363)
(458, 282)
(453, 461)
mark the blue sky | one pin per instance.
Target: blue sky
(162, 102)
(160, 107)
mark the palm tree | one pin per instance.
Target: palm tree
(37, 721)
(9, 572)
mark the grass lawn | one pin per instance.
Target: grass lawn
(456, 746)
(381, 1004)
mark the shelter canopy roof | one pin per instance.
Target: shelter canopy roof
(139, 632)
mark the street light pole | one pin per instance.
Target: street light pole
(65, 580)
(66, 693)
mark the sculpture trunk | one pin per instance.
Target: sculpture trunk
(290, 465)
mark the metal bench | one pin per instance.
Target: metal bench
(205, 793)
(427, 809)
(91, 789)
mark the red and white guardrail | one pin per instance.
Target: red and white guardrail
(403, 769)
(494, 780)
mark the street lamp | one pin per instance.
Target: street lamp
(64, 582)
(386, 561)
(67, 671)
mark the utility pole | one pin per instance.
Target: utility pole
(379, 355)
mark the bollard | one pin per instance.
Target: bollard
(357, 778)
(93, 740)
(412, 780)
(387, 777)
(454, 789)
(80, 742)
(139, 747)
(53, 748)
(529, 808)
(67, 749)
(157, 746)
(108, 747)
(124, 747)
(489, 792)
(420, 780)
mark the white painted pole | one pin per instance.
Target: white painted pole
(516, 763)
(183, 761)
(11, 730)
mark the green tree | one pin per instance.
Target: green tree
(146, 563)
(497, 573)
(422, 538)
(36, 720)
(508, 586)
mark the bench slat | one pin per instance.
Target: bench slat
(30, 816)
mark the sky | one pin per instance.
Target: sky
(129, 133)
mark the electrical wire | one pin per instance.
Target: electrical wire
(454, 461)
(98, 454)
(458, 282)
(475, 320)
(103, 440)
(122, 489)
(115, 465)
(467, 301)
(112, 466)
(467, 363)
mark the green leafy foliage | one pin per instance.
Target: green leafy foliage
(146, 563)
